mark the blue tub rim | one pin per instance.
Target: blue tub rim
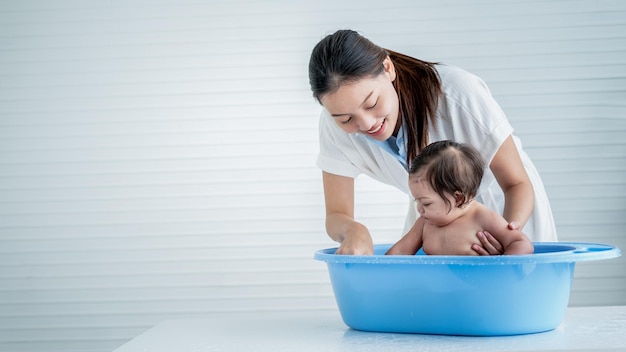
(545, 252)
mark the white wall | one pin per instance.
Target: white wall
(157, 157)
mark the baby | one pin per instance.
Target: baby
(444, 179)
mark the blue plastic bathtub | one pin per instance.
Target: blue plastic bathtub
(458, 295)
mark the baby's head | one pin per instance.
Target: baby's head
(449, 167)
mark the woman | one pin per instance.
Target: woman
(382, 107)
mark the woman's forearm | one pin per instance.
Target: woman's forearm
(519, 203)
(336, 225)
(353, 236)
(339, 226)
(519, 195)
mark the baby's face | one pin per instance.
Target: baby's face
(430, 205)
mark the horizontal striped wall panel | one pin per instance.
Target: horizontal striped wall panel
(157, 158)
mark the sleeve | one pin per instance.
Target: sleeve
(333, 144)
(473, 114)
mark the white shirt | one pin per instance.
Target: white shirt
(467, 113)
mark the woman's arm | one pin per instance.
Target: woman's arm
(519, 195)
(340, 225)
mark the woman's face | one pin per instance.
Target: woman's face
(368, 106)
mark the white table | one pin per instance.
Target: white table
(584, 329)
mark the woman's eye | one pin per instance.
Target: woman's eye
(346, 121)
(373, 106)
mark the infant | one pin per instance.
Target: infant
(444, 179)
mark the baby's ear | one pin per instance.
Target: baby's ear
(460, 199)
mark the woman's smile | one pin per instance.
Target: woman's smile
(378, 130)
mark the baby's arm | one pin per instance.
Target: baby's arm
(513, 241)
(411, 242)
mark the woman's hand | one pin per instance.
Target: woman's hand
(490, 245)
(357, 242)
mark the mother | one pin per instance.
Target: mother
(382, 107)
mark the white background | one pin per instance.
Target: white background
(157, 158)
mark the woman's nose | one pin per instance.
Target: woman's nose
(366, 122)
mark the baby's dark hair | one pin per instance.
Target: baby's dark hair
(450, 167)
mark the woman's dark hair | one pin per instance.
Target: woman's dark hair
(346, 57)
(450, 167)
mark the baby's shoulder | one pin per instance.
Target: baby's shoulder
(487, 217)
